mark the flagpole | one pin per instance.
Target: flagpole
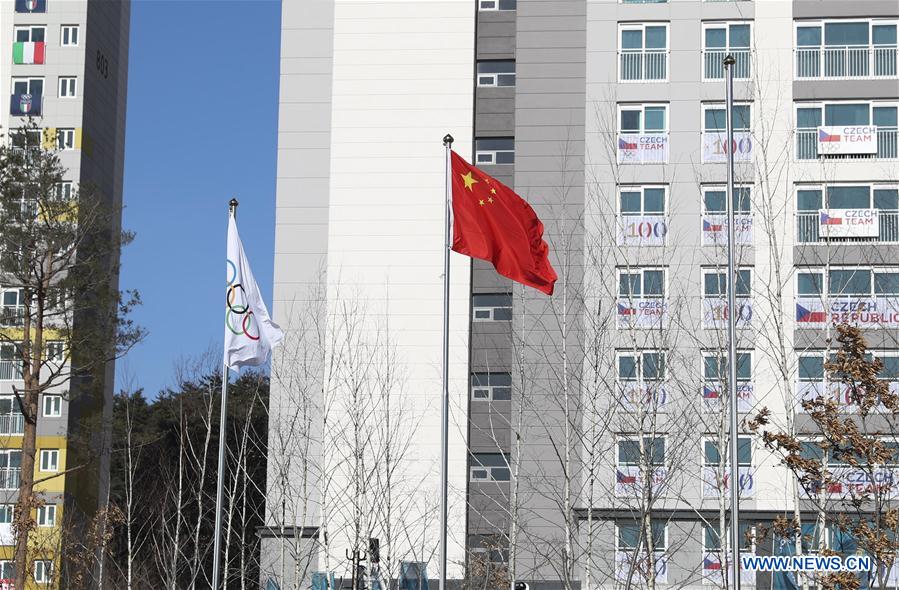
(220, 483)
(444, 408)
(732, 312)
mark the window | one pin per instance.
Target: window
(67, 87)
(890, 369)
(640, 283)
(43, 571)
(643, 118)
(811, 116)
(495, 307)
(50, 460)
(653, 451)
(52, 406)
(714, 200)
(490, 467)
(644, 52)
(7, 570)
(64, 190)
(645, 365)
(10, 361)
(56, 351)
(720, 40)
(30, 34)
(715, 118)
(46, 515)
(496, 73)
(811, 199)
(714, 367)
(642, 133)
(10, 468)
(714, 283)
(11, 419)
(491, 386)
(6, 514)
(65, 139)
(848, 282)
(497, 4)
(492, 548)
(68, 35)
(27, 97)
(13, 311)
(846, 49)
(712, 540)
(494, 150)
(31, 86)
(630, 535)
(711, 457)
(642, 200)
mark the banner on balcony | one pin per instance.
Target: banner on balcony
(647, 396)
(712, 484)
(866, 312)
(640, 148)
(642, 230)
(714, 392)
(714, 146)
(630, 564)
(840, 393)
(715, 312)
(23, 105)
(848, 223)
(629, 483)
(642, 313)
(847, 482)
(714, 230)
(847, 139)
(713, 570)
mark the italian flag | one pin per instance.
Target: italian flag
(28, 53)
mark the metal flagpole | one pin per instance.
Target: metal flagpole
(220, 483)
(444, 408)
(732, 312)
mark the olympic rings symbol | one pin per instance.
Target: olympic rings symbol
(236, 305)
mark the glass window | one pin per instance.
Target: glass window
(808, 199)
(884, 34)
(52, 406)
(495, 150)
(642, 200)
(714, 200)
(811, 368)
(885, 116)
(490, 467)
(656, 37)
(652, 366)
(808, 117)
(716, 118)
(653, 283)
(886, 283)
(643, 119)
(847, 114)
(496, 73)
(491, 386)
(840, 33)
(808, 36)
(69, 35)
(67, 87)
(715, 38)
(49, 460)
(630, 535)
(890, 369)
(712, 541)
(849, 282)
(715, 367)
(887, 199)
(491, 306)
(848, 197)
(744, 451)
(715, 283)
(629, 451)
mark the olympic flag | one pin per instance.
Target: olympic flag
(250, 334)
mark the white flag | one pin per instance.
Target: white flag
(250, 334)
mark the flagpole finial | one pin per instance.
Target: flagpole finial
(448, 140)
(232, 206)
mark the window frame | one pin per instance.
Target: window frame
(28, 80)
(642, 106)
(475, 465)
(642, 188)
(45, 460)
(496, 8)
(44, 567)
(46, 516)
(495, 75)
(51, 401)
(706, 188)
(714, 353)
(711, 438)
(727, 49)
(71, 85)
(30, 28)
(494, 153)
(717, 270)
(62, 138)
(634, 438)
(475, 309)
(639, 363)
(824, 273)
(62, 31)
(744, 526)
(712, 105)
(620, 549)
(489, 388)
(630, 270)
(822, 22)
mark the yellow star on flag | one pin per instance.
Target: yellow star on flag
(481, 202)
(469, 180)
(489, 199)
(493, 191)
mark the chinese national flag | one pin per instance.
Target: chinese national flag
(493, 223)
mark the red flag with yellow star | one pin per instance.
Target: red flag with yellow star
(493, 223)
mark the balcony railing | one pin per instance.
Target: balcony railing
(12, 315)
(808, 228)
(12, 424)
(713, 63)
(10, 477)
(10, 370)
(887, 146)
(847, 61)
(643, 65)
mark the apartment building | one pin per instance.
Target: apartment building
(65, 65)
(608, 117)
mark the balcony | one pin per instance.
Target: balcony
(643, 65)
(887, 146)
(846, 62)
(713, 64)
(10, 477)
(12, 316)
(12, 424)
(10, 370)
(808, 229)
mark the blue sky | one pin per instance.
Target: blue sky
(202, 127)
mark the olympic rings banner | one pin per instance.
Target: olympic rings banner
(250, 334)
(711, 487)
(650, 396)
(627, 561)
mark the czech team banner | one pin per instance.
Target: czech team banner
(642, 148)
(849, 223)
(713, 391)
(642, 312)
(854, 482)
(629, 483)
(713, 570)
(714, 230)
(847, 139)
